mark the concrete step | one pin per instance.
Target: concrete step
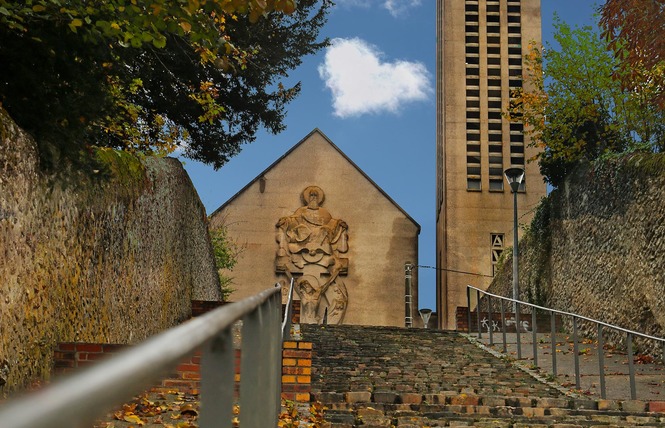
(384, 376)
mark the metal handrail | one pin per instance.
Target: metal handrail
(552, 312)
(288, 313)
(76, 400)
(582, 317)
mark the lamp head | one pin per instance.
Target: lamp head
(514, 176)
(425, 314)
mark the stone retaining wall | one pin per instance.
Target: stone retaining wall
(597, 246)
(111, 255)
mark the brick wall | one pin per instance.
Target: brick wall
(186, 377)
(69, 355)
(543, 322)
(200, 307)
(295, 311)
(296, 367)
(297, 370)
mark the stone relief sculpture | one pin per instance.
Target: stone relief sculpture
(311, 248)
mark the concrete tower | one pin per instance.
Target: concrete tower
(480, 48)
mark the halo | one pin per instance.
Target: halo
(309, 189)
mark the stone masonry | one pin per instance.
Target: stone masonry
(597, 247)
(114, 256)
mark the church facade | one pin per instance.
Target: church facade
(315, 218)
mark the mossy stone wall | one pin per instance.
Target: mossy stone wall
(597, 246)
(112, 256)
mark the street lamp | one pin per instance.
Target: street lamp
(515, 176)
(425, 314)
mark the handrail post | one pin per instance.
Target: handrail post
(601, 362)
(631, 366)
(255, 366)
(480, 334)
(288, 311)
(534, 335)
(576, 354)
(468, 310)
(518, 327)
(489, 317)
(275, 334)
(217, 370)
(503, 326)
(553, 340)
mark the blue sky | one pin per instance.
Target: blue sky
(372, 94)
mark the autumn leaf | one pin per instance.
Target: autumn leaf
(186, 26)
(188, 409)
(133, 419)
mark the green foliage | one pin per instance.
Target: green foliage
(152, 75)
(540, 226)
(127, 168)
(649, 164)
(576, 109)
(625, 170)
(535, 249)
(226, 252)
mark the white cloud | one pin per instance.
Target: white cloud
(361, 83)
(353, 3)
(395, 7)
(399, 7)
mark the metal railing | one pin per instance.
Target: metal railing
(575, 318)
(77, 400)
(288, 313)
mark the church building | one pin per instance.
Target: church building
(315, 218)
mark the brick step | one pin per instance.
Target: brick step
(534, 410)
(365, 417)
(392, 401)
(348, 358)
(386, 376)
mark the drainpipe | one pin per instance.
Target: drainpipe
(408, 321)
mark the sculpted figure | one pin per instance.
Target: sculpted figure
(311, 245)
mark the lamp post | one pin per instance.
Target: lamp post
(515, 176)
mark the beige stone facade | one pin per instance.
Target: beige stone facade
(480, 46)
(314, 216)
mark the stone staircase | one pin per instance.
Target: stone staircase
(384, 376)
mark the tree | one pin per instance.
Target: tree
(573, 107)
(151, 75)
(634, 29)
(226, 251)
